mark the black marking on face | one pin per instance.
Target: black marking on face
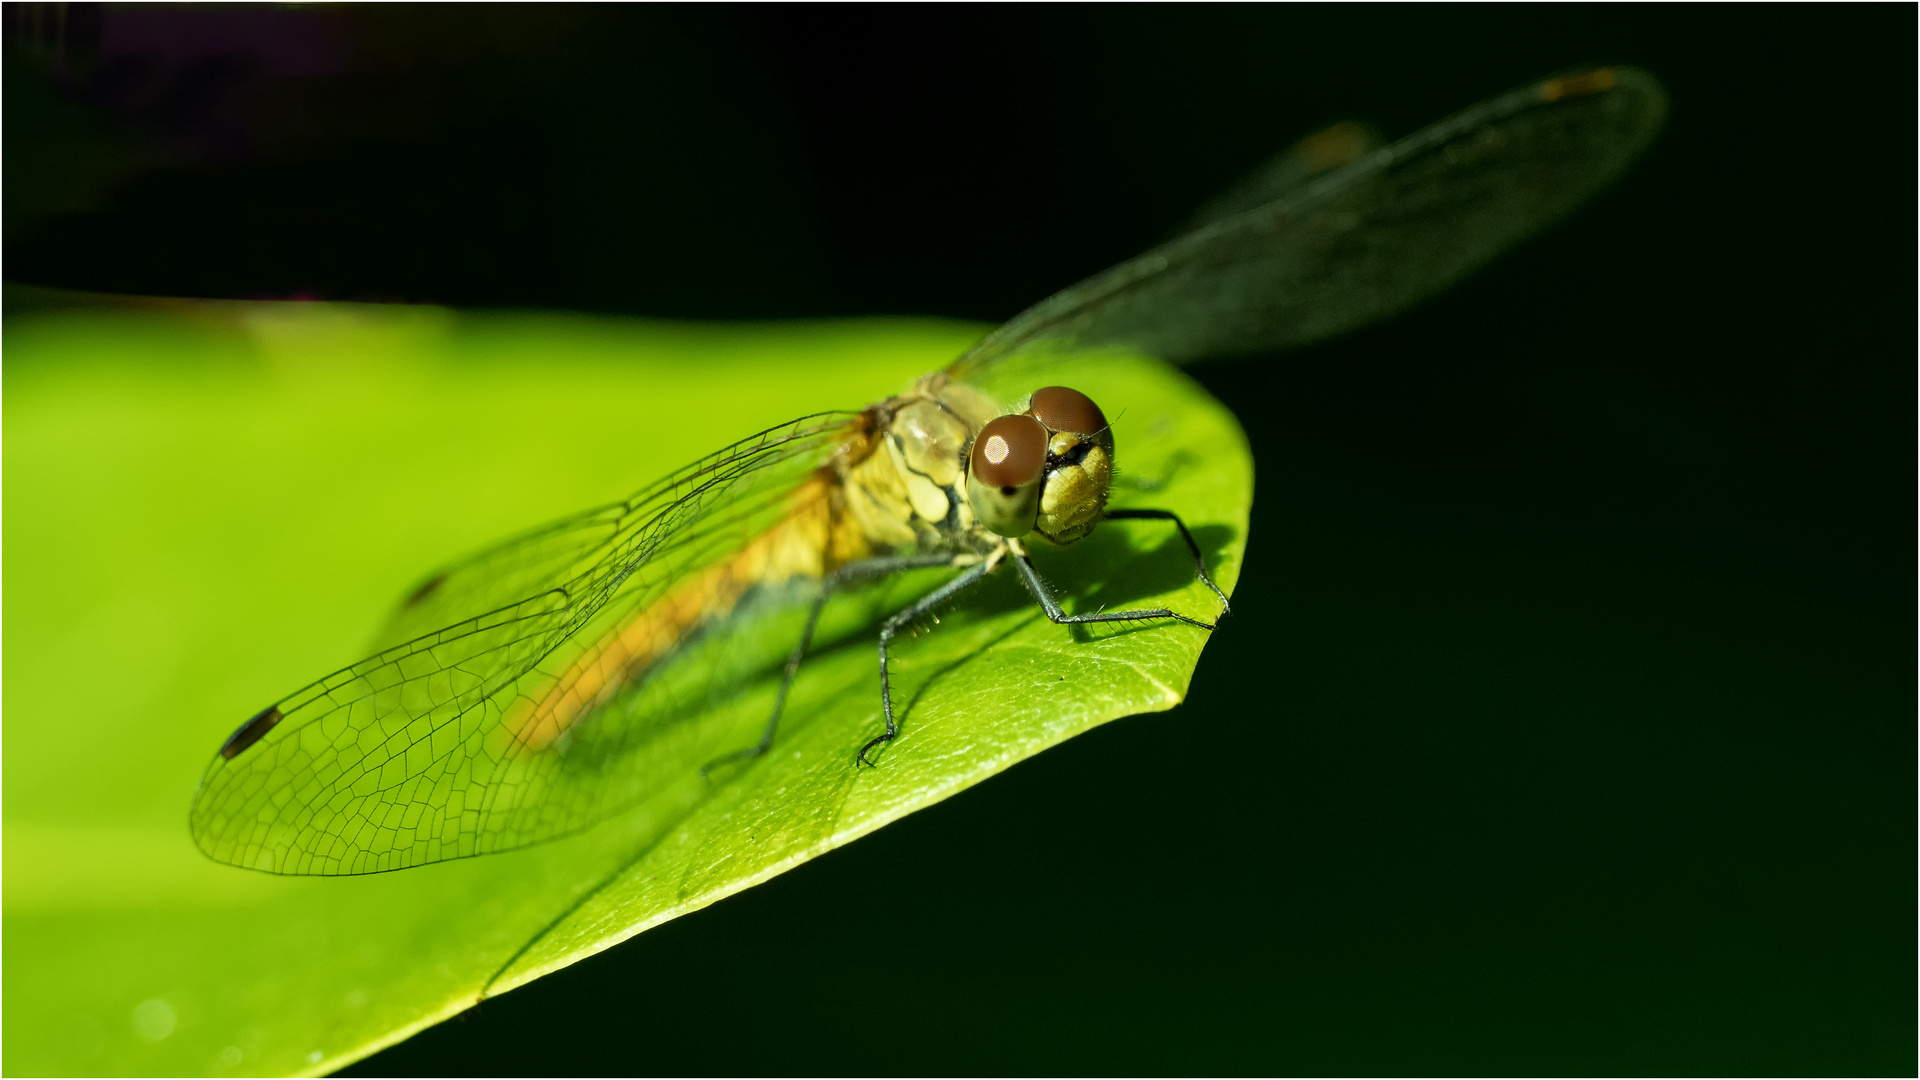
(250, 732)
(1074, 455)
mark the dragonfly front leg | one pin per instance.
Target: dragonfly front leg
(1199, 561)
(1052, 607)
(968, 577)
(853, 571)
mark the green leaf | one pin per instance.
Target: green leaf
(209, 504)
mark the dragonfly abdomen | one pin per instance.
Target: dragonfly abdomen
(798, 546)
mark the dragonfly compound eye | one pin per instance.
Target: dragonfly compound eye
(1004, 471)
(1064, 409)
(1079, 463)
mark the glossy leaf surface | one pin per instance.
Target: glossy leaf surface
(212, 502)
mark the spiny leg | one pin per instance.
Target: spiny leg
(941, 595)
(853, 571)
(1047, 603)
(1199, 561)
(1052, 607)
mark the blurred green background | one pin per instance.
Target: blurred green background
(1565, 724)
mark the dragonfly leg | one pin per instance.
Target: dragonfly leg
(1052, 607)
(786, 682)
(961, 581)
(1199, 562)
(853, 571)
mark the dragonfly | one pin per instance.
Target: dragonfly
(519, 695)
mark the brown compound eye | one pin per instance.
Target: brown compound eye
(1010, 453)
(1064, 409)
(1003, 478)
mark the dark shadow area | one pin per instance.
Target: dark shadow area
(1108, 571)
(1564, 724)
(1129, 485)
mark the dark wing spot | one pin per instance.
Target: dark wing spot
(427, 588)
(249, 733)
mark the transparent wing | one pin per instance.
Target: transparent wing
(1286, 173)
(508, 723)
(1328, 254)
(522, 566)
(511, 701)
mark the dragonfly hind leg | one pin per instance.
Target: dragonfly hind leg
(853, 571)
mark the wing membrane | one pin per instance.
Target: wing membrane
(512, 570)
(1361, 242)
(508, 705)
(1289, 171)
(426, 751)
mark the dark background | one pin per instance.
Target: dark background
(1565, 723)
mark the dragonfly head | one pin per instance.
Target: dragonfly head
(1046, 470)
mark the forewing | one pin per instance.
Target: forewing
(423, 752)
(1360, 242)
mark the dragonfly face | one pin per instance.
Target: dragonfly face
(509, 702)
(1079, 472)
(1047, 470)
(949, 482)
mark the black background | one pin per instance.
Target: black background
(1566, 720)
